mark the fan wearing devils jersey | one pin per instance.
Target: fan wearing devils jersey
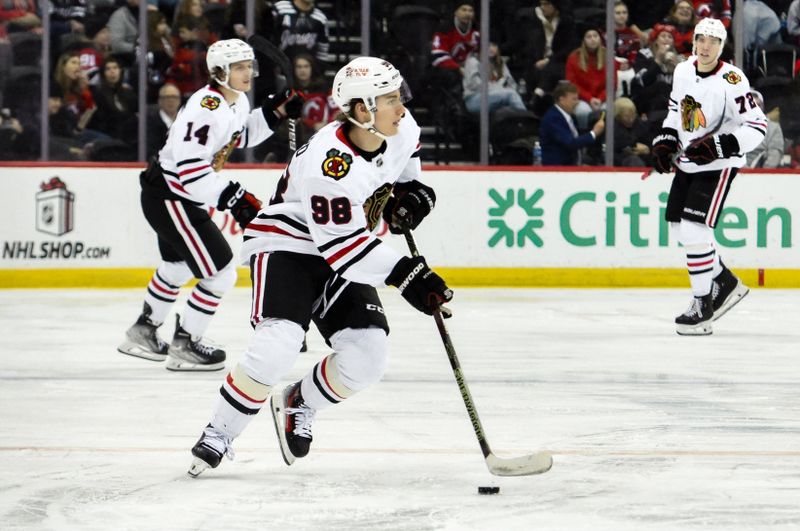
(452, 44)
(177, 189)
(713, 116)
(314, 255)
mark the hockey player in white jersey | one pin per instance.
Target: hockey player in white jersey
(314, 255)
(713, 121)
(177, 189)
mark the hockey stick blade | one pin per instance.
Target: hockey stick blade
(536, 463)
(527, 465)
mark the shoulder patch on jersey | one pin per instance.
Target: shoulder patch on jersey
(210, 102)
(732, 77)
(692, 115)
(336, 164)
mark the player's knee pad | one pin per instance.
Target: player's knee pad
(693, 234)
(222, 281)
(361, 356)
(176, 273)
(273, 350)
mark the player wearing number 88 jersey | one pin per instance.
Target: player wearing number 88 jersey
(314, 256)
(177, 189)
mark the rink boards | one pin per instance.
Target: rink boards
(79, 225)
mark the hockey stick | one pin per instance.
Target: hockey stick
(274, 54)
(679, 154)
(526, 465)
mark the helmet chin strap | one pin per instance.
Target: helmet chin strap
(368, 126)
(225, 84)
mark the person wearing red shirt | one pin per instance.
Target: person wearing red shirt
(452, 44)
(586, 69)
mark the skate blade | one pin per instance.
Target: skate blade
(180, 365)
(738, 293)
(134, 349)
(696, 330)
(280, 428)
(197, 467)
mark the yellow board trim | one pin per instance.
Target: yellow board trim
(455, 276)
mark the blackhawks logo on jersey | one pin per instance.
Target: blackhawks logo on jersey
(337, 164)
(732, 77)
(221, 156)
(374, 205)
(692, 116)
(210, 103)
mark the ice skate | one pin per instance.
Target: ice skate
(696, 320)
(293, 422)
(142, 341)
(726, 292)
(187, 353)
(208, 451)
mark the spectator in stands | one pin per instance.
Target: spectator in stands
(319, 107)
(542, 49)
(193, 9)
(793, 23)
(452, 44)
(586, 69)
(11, 132)
(236, 19)
(647, 14)
(628, 37)
(769, 153)
(761, 25)
(75, 94)
(301, 26)
(94, 48)
(161, 117)
(654, 67)
(124, 28)
(117, 104)
(502, 86)
(719, 9)
(682, 20)
(631, 137)
(19, 15)
(188, 70)
(160, 48)
(66, 20)
(559, 138)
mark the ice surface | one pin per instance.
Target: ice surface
(648, 430)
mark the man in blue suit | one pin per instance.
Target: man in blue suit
(561, 143)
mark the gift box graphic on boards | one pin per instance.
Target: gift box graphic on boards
(54, 208)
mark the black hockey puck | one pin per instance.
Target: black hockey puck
(488, 490)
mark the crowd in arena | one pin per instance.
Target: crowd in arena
(538, 49)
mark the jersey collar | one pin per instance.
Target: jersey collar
(341, 134)
(708, 74)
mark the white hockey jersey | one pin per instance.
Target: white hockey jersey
(201, 139)
(699, 103)
(330, 199)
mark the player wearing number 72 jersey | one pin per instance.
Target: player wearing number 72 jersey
(713, 116)
(314, 255)
(177, 189)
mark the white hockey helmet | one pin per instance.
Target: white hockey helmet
(222, 54)
(710, 27)
(366, 78)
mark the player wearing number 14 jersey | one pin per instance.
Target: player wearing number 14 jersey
(314, 256)
(177, 189)
(716, 121)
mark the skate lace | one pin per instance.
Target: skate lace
(693, 309)
(220, 443)
(303, 420)
(206, 350)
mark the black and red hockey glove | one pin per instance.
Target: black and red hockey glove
(243, 205)
(665, 145)
(292, 103)
(712, 147)
(421, 287)
(407, 207)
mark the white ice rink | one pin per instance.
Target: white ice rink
(648, 430)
